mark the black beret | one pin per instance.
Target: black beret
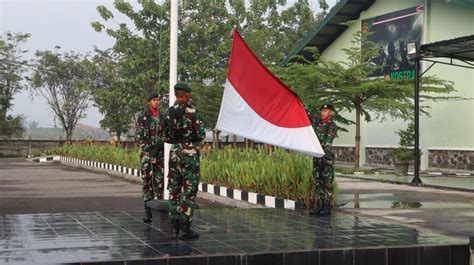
(183, 86)
(153, 95)
(327, 106)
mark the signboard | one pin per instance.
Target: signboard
(392, 32)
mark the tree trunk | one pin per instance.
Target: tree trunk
(357, 136)
(119, 134)
(217, 139)
(213, 139)
(234, 141)
(68, 133)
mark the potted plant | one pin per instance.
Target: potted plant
(404, 154)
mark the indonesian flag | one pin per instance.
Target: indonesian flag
(258, 106)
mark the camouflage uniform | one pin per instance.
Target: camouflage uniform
(184, 129)
(323, 168)
(149, 137)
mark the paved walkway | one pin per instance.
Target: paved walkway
(462, 183)
(27, 187)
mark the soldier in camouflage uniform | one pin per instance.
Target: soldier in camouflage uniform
(184, 129)
(149, 137)
(323, 167)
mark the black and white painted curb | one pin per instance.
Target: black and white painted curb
(252, 197)
(239, 195)
(46, 159)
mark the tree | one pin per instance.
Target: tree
(405, 151)
(12, 68)
(205, 34)
(348, 86)
(62, 80)
(109, 92)
(11, 126)
(143, 56)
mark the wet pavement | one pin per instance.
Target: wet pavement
(27, 187)
(100, 220)
(445, 211)
(463, 183)
(225, 233)
(395, 201)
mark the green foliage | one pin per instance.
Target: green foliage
(11, 126)
(110, 93)
(278, 173)
(136, 65)
(208, 99)
(407, 136)
(102, 153)
(269, 27)
(405, 151)
(62, 79)
(12, 68)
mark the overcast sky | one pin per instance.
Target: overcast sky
(64, 23)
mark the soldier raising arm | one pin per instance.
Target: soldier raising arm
(323, 168)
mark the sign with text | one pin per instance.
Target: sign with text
(392, 32)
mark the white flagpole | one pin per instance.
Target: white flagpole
(173, 77)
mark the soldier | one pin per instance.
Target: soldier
(323, 169)
(184, 129)
(149, 137)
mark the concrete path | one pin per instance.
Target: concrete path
(27, 187)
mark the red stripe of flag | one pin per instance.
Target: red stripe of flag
(263, 92)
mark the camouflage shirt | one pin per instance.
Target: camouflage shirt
(149, 132)
(184, 125)
(326, 132)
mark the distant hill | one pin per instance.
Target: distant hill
(81, 132)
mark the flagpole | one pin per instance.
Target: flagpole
(173, 77)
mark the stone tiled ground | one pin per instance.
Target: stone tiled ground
(250, 234)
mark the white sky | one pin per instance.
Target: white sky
(64, 23)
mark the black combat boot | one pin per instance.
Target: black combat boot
(188, 233)
(148, 215)
(326, 209)
(317, 210)
(176, 227)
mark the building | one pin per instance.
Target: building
(447, 136)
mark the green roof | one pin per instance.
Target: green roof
(330, 28)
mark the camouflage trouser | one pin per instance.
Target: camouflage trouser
(323, 174)
(183, 181)
(152, 169)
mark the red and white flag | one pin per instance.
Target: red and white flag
(258, 106)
